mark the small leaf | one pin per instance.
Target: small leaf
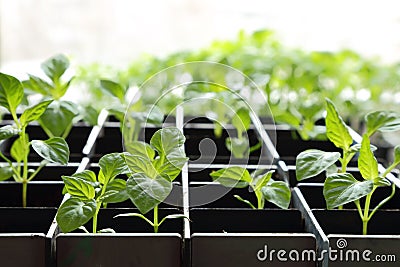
(112, 165)
(171, 167)
(336, 130)
(141, 149)
(384, 121)
(261, 180)
(34, 113)
(278, 193)
(367, 163)
(343, 188)
(241, 120)
(232, 177)
(79, 187)
(19, 149)
(146, 193)
(54, 150)
(312, 162)
(238, 146)
(137, 164)
(380, 181)
(38, 85)
(74, 213)
(8, 131)
(114, 89)
(116, 191)
(6, 172)
(166, 140)
(55, 67)
(11, 92)
(58, 117)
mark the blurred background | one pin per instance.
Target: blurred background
(117, 31)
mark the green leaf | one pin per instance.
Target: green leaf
(278, 193)
(384, 121)
(6, 172)
(34, 113)
(232, 177)
(241, 120)
(367, 163)
(380, 181)
(8, 131)
(238, 146)
(74, 213)
(343, 188)
(38, 85)
(55, 67)
(116, 192)
(54, 150)
(58, 117)
(137, 164)
(11, 92)
(261, 180)
(19, 149)
(396, 154)
(312, 162)
(336, 130)
(87, 175)
(140, 149)
(166, 140)
(89, 114)
(171, 167)
(80, 188)
(146, 193)
(112, 165)
(114, 89)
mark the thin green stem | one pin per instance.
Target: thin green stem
(67, 130)
(16, 172)
(389, 169)
(46, 130)
(255, 147)
(98, 206)
(383, 201)
(155, 219)
(366, 217)
(24, 193)
(43, 164)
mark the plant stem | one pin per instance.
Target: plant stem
(98, 206)
(24, 192)
(366, 217)
(383, 202)
(155, 219)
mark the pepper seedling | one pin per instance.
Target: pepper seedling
(54, 150)
(154, 167)
(263, 186)
(340, 187)
(60, 116)
(88, 193)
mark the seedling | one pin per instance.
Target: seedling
(341, 187)
(131, 115)
(60, 116)
(239, 146)
(53, 150)
(88, 193)
(154, 167)
(263, 186)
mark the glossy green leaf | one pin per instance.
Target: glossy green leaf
(336, 130)
(278, 193)
(6, 172)
(137, 164)
(55, 67)
(74, 213)
(114, 89)
(116, 191)
(11, 92)
(20, 149)
(79, 187)
(34, 113)
(343, 188)
(261, 180)
(146, 192)
(241, 120)
(54, 150)
(238, 146)
(166, 140)
(384, 121)
(8, 131)
(367, 163)
(140, 149)
(87, 175)
(312, 162)
(232, 177)
(58, 117)
(112, 165)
